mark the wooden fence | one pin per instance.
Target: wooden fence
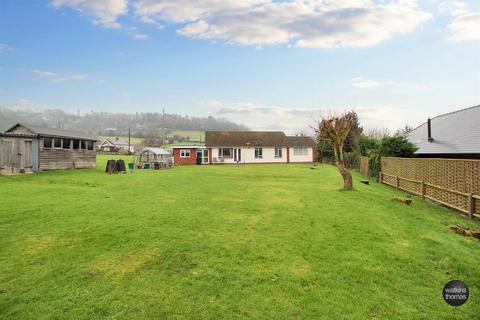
(364, 168)
(451, 182)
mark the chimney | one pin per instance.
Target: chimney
(429, 128)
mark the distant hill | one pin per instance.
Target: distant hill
(115, 124)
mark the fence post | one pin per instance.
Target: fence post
(423, 190)
(471, 206)
(398, 182)
(380, 176)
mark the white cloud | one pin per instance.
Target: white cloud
(140, 36)
(292, 120)
(5, 47)
(22, 103)
(102, 12)
(320, 23)
(55, 77)
(421, 86)
(465, 27)
(179, 11)
(453, 7)
(44, 74)
(359, 82)
(465, 24)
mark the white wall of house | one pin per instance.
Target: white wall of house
(248, 156)
(297, 155)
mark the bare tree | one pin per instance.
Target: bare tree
(334, 129)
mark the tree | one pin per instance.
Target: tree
(366, 143)
(351, 142)
(404, 131)
(335, 129)
(397, 146)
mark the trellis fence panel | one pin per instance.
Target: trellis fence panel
(452, 182)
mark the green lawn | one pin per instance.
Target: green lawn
(225, 242)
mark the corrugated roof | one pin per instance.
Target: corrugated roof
(254, 139)
(119, 142)
(159, 151)
(53, 132)
(453, 133)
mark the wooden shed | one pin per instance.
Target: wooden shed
(18, 154)
(29, 149)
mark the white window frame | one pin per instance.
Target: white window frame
(258, 153)
(185, 153)
(221, 153)
(300, 151)
(278, 153)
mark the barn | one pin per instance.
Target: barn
(25, 148)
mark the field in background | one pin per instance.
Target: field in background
(225, 242)
(195, 137)
(124, 138)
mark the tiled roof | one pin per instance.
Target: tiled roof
(453, 133)
(254, 139)
(300, 141)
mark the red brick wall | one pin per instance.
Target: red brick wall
(185, 161)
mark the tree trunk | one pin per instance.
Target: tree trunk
(346, 174)
(347, 177)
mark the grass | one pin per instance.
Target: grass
(225, 242)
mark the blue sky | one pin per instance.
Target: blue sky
(267, 64)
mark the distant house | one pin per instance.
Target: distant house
(26, 149)
(108, 145)
(451, 135)
(248, 147)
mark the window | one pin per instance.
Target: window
(66, 143)
(225, 152)
(278, 152)
(184, 153)
(47, 142)
(76, 144)
(300, 151)
(84, 145)
(258, 153)
(57, 143)
(90, 145)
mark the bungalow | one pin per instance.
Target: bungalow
(451, 135)
(26, 149)
(231, 147)
(108, 145)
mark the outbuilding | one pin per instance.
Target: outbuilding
(454, 135)
(25, 149)
(190, 155)
(155, 158)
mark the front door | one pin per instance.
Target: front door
(202, 156)
(237, 155)
(199, 156)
